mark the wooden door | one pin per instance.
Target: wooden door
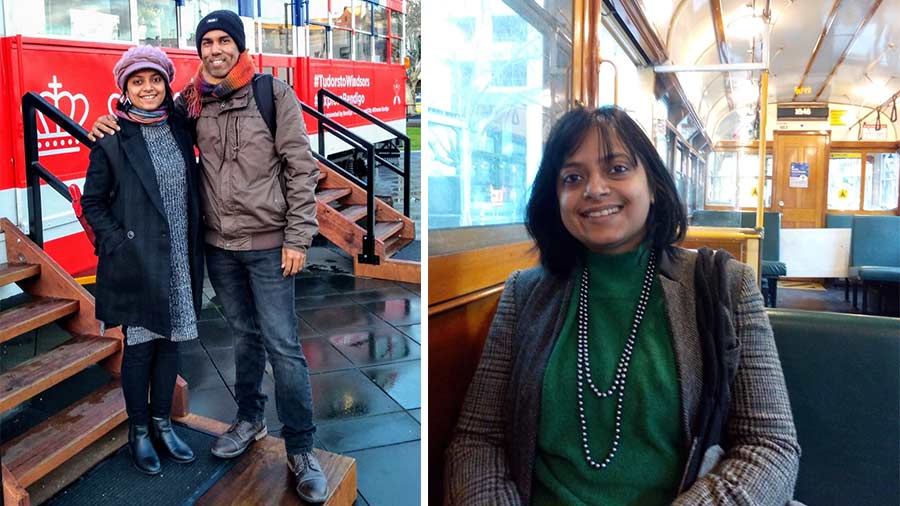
(801, 178)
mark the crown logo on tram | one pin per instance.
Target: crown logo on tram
(52, 139)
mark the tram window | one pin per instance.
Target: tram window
(277, 38)
(342, 44)
(362, 15)
(508, 75)
(276, 28)
(722, 179)
(108, 20)
(194, 10)
(494, 93)
(341, 14)
(396, 24)
(395, 51)
(509, 28)
(318, 41)
(844, 181)
(881, 181)
(381, 50)
(363, 46)
(317, 12)
(157, 25)
(381, 20)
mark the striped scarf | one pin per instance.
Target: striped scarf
(127, 110)
(239, 76)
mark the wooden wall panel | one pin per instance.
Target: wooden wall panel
(455, 340)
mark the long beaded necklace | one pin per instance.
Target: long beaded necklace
(617, 387)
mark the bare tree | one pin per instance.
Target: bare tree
(413, 51)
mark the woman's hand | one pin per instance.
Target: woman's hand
(104, 124)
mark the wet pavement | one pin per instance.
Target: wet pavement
(361, 338)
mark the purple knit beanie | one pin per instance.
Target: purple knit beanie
(142, 58)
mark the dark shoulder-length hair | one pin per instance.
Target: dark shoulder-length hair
(666, 221)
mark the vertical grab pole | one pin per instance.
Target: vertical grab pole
(763, 110)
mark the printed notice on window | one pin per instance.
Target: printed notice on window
(799, 175)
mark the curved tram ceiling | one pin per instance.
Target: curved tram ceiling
(841, 52)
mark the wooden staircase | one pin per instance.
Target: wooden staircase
(341, 211)
(56, 297)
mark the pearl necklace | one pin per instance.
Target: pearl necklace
(617, 387)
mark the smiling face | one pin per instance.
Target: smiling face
(219, 54)
(604, 195)
(146, 89)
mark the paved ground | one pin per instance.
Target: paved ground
(361, 338)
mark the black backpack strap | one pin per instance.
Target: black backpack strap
(715, 324)
(265, 100)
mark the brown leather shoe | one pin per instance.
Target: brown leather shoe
(312, 486)
(237, 438)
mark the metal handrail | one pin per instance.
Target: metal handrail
(405, 172)
(34, 171)
(368, 255)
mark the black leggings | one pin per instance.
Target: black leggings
(149, 366)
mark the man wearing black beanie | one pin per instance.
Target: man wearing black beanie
(226, 21)
(259, 214)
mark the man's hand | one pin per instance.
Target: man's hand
(292, 260)
(104, 124)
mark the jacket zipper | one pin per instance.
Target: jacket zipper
(687, 466)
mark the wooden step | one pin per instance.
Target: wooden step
(354, 213)
(395, 244)
(385, 229)
(261, 476)
(323, 174)
(46, 446)
(42, 372)
(36, 313)
(10, 273)
(327, 195)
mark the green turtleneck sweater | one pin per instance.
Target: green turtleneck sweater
(648, 465)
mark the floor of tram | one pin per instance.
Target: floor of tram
(829, 296)
(361, 338)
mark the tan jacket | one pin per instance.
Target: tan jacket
(257, 193)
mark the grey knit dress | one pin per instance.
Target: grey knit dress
(171, 176)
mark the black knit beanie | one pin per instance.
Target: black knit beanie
(228, 22)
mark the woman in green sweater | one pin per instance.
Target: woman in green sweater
(595, 382)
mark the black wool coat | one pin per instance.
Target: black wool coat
(122, 203)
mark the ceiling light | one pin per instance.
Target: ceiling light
(747, 27)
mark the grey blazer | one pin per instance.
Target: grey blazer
(491, 458)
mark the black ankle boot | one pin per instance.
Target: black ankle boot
(163, 434)
(142, 453)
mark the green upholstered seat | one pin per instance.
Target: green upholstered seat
(838, 221)
(711, 218)
(875, 273)
(843, 379)
(774, 269)
(874, 245)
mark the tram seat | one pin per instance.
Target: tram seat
(874, 253)
(843, 379)
(841, 221)
(713, 218)
(838, 221)
(772, 266)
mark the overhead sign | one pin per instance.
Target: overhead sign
(801, 112)
(836, 117)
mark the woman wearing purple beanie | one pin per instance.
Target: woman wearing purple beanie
(141, 199)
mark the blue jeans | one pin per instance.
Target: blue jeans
(258, 302)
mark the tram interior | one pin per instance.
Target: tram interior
(778, 120)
